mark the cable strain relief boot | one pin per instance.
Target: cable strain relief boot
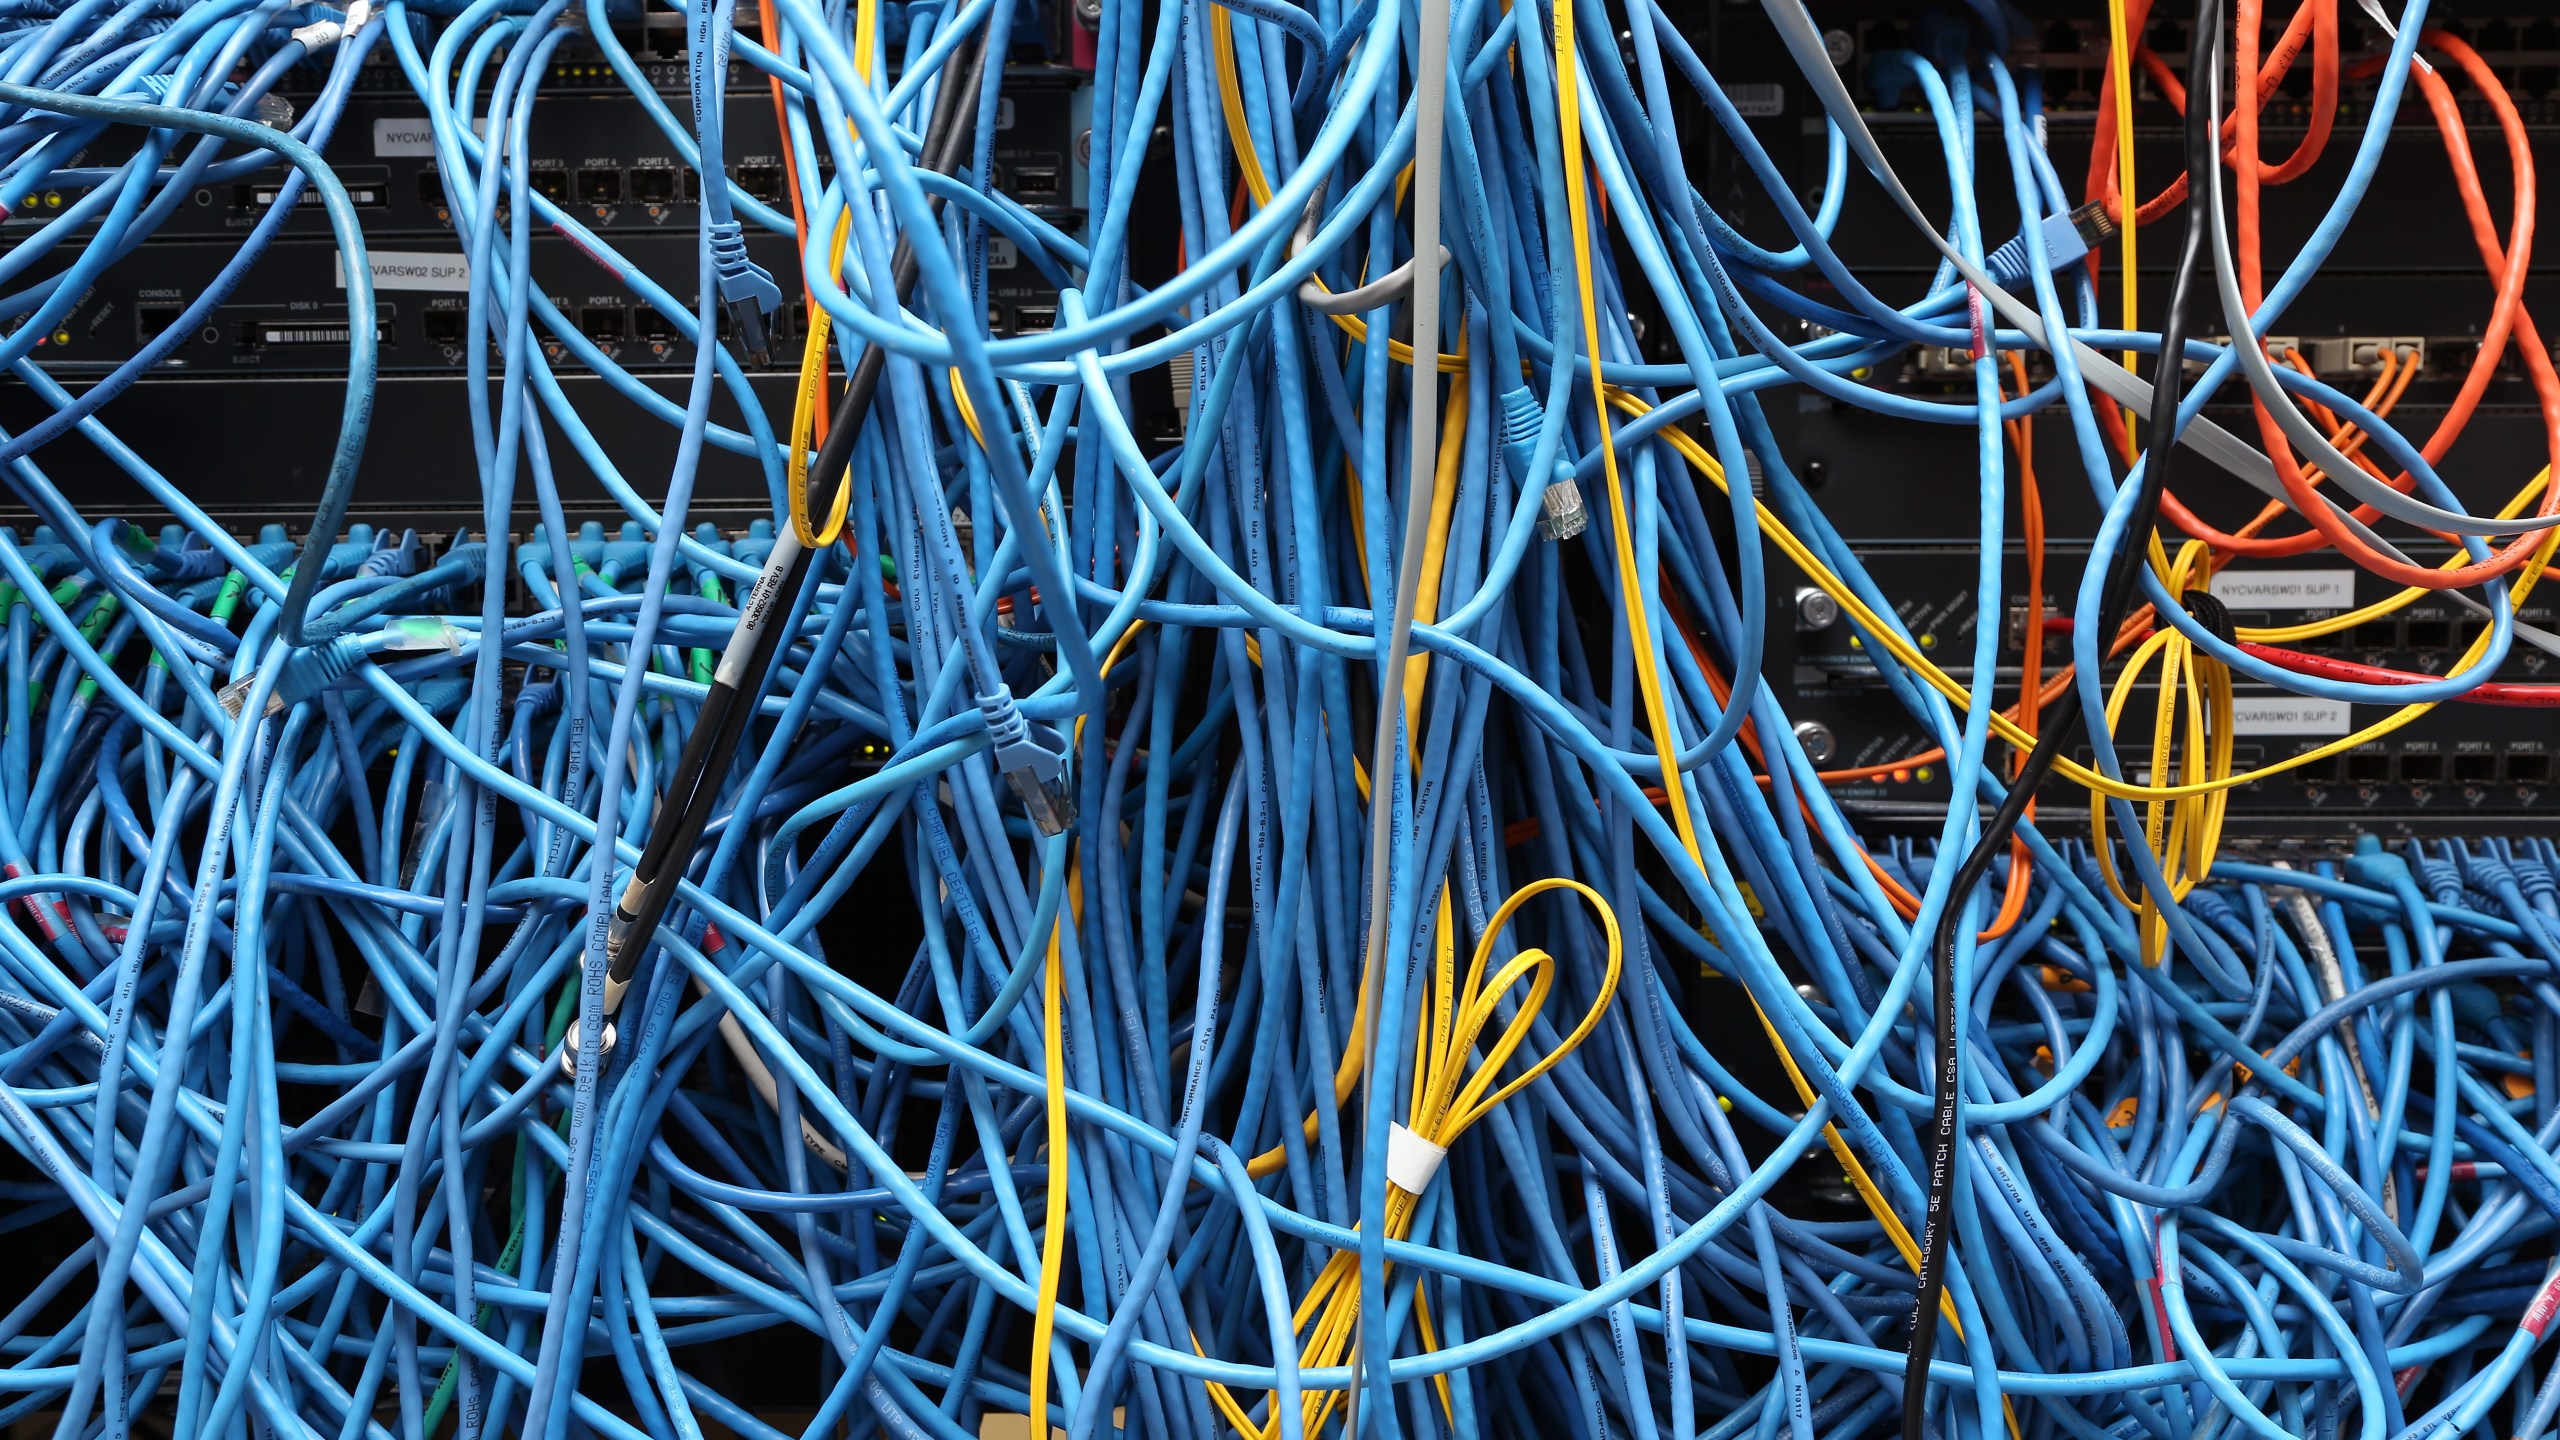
(745, 288)
(2533, 875)
(1033, 758)
(306, 673)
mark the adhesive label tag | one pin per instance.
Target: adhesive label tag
(403, 135)
(439, 270)
(1411, 1160)
(411, 135)
(2290, 715)
(2286, 589)
(1758, 100)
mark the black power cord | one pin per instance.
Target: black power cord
(2204, 106)
(693, 787)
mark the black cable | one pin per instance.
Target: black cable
(693, 787)
(2204, 104)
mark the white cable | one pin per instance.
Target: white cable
(1430, 100)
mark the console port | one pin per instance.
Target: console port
(150, 320)
(2475, 767)
(2369, 766)
(2421, 767)
(653, 185)
(445, 327)
(599, 187)
(2529, 767)
(604, 324)
(764, 182)
(552, 185)
(2377, 635)
(2430, 634)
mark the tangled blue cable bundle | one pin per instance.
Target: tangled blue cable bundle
(1223, 928)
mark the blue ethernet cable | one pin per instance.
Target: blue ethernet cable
(305, 838)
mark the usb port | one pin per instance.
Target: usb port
(653, 185)
(1041, 183)
(604, 324)
(1030, 318)
(150, 320)
(445, 327)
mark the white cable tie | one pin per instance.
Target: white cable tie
(1411, 1160)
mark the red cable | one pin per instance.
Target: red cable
(2533, 697)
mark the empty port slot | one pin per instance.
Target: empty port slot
(657, 327)
(2475, 767)
(1029, 318)
(551, 184)
(2430, 634)
(1042, 181)
(764, 182)
(2529, 767)
(603, 324)
(2317, 772)
(2061, 38)
(653, 185)
(599, 187)
(2368, 766)
(150, 320)
(2419, 767)
(444, 327)
(2378, 635)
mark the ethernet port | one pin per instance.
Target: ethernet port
(2430, 634)
(764, 182)
(2369, 766)
(653, 185)
(2529, 767)
(150, 320)
(2377, 635)
(604, 324)
(2475, 767)
(445, 327)
(599, 187)
(430, 187)
(2422, 767)
(552, 185)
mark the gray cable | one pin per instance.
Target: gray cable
(1430, 99)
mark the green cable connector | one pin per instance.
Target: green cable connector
(707, 663)
(93, 628)
(227, 599)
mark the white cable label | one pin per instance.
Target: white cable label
(2290, 715)
(2286, 589)
(410, 270)
(1411, 1160)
